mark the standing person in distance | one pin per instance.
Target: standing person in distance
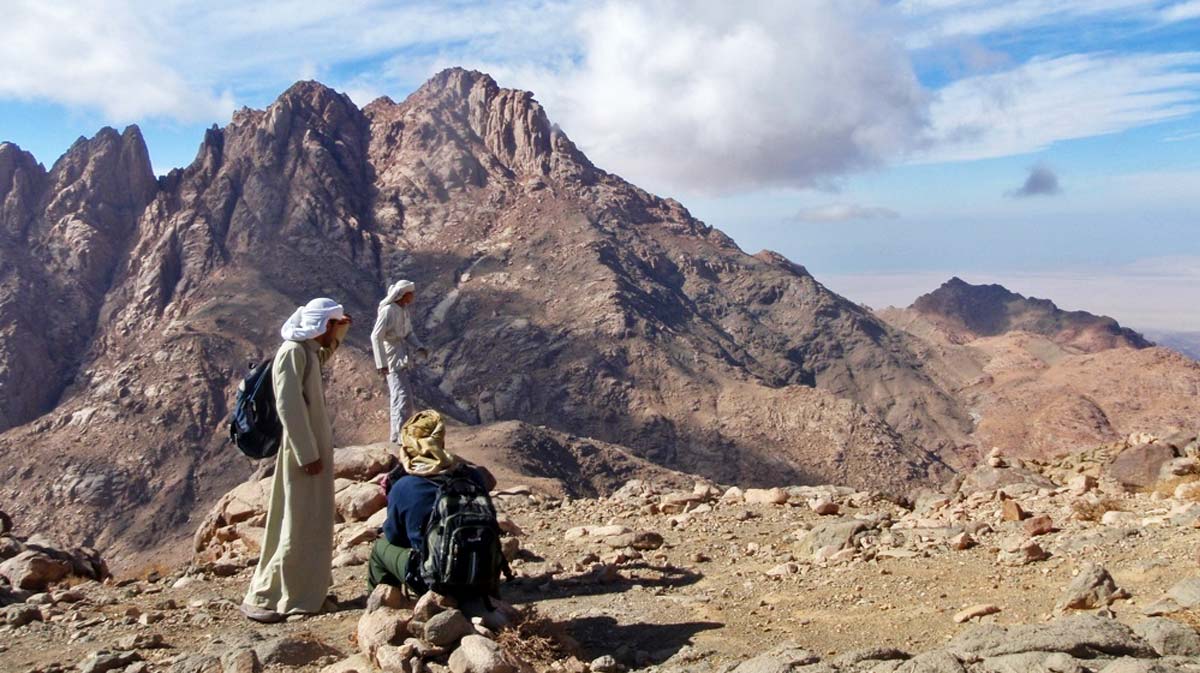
(293, 573)
(391, 340)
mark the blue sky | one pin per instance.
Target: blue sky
(884, 145)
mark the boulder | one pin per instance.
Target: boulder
(293, 650)
(19, 615)
(642, 540)
(783, 659)
(380, 627)
(240, 661)
(356, 663)
(1092, 588)
(1038, 525)
(1169, 637)
(1084, 635)
(33, 570)
(988, 478)
(102, 662)
(446, 628)
(362, 463)
(476, 654)
(386, 596)
(1011, 510)
(765, 496)
(430, 604)
(1023, 553)
(357, 502)
(1138, 467)
(837, 533)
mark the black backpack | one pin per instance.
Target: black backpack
(254, 424)
(462, 555)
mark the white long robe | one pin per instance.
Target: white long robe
(391, 339)
(293, 573)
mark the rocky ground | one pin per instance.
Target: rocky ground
(1020, 567)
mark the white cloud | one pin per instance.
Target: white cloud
(1182, 11)
(97, 55)
(1052, 99)
(845, 212)
(696, 97)
(938, 20)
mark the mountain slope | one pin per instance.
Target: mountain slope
(1040, 381)
(550, 291)
(964, 312)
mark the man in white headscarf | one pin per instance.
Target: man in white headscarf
(293, 573)
(391, 339)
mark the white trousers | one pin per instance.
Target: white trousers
(400, 387)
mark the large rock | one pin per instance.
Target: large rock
(1138, 467)
(838, 534)
(1084, 636)
(932, 662)
(380, 627)
(476, 654)
(1169, 637)
(33, 570)
(782, 659)
(355, 663)
(446, 628)
(358, 502)
(1092, 588)
(362, 463)
(293, 650)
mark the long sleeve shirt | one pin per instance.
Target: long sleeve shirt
(410, 502)
(392, 337)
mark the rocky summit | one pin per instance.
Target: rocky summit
(576, 322)
(1021, 565)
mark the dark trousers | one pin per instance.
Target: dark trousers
(388, 564)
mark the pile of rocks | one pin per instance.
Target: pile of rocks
(436, 634)
(32, 567)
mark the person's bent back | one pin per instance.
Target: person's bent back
(401, 556)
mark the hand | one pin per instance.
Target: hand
(381, 482)
(313, 468)
(422, 353)
(383, 371)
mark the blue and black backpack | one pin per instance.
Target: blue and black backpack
(254, 425)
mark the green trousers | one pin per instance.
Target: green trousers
(388, 564)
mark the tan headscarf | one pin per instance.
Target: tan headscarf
(422, 450)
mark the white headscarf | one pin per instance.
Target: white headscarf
(309, 321)
(397, 290)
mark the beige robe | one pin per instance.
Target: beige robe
(293, 573)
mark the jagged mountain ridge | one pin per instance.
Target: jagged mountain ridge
(551, 292)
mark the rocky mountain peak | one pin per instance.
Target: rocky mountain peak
(22, 179)
(968, 311)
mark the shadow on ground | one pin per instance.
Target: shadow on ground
(530, 589)
(641, 643)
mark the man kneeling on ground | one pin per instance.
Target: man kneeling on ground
(441, 531)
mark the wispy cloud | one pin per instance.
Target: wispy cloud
(1041, 181)
(1053, 99)
(844, 212)
(1182, 11)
